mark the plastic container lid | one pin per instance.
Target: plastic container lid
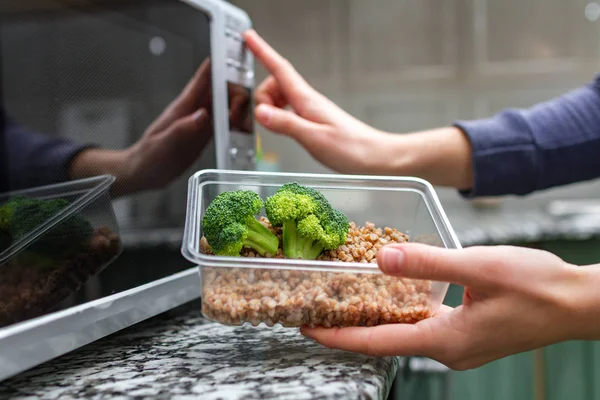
(427, 224)
(81, 192)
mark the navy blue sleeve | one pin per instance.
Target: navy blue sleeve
(34, 159)
(550, 144)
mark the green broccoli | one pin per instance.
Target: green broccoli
(64, 239)
(7, 212)
(310, 224)
(21, 215)
(230, 223)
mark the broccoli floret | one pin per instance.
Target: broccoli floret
(230, 224)
(21, 215)
(8, 209)
(64, 239)
(7, 212)
(310, 224)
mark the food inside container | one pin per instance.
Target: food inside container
(341, 285)
(292, 298)
(53, 239)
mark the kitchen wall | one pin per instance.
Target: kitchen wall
(406, 65)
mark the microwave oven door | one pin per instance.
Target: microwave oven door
(100, 72)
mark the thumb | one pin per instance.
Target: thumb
(289, 124)
(459, 266)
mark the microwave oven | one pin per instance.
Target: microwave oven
(100, 71)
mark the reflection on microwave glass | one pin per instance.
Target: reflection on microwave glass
(240, 108)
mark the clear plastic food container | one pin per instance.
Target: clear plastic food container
(342, 288)
(52, 240)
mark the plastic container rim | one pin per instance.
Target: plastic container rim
(203, 260)
(104, 182)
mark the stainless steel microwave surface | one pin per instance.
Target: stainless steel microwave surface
(100, 71)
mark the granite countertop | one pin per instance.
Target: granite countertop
(180, 355)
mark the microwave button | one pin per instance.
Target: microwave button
(233, 153)
(250, 154)
(233, 34)
(233, 63)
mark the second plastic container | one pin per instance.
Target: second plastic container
(255, 290)
(53, 239)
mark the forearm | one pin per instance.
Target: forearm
(514, 152)
(440, 156)
(94, 162)
(583, 298)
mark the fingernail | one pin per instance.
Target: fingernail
(263, 112)
(392, 260)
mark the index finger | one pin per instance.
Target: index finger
(277, 66)
(194, 94)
